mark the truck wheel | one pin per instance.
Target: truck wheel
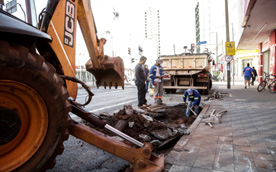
(167, 91)
(33, 110)
(173, 91)
(170, 91)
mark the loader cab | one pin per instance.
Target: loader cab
(25, 10)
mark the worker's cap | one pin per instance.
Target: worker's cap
(190, 91)
(159, 61)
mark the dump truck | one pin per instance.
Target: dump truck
(187, 70)
(38, 88)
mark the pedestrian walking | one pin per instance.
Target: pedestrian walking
(248, 73)
(254, 75)
(194, 99)
(156, 74)
(147, 77)
(140, 79)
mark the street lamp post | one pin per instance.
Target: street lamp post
(227, 40)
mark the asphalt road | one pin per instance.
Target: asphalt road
(108, 100)
(83, 157)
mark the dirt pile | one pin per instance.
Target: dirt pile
(154, 124)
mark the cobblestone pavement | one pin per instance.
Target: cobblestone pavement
(245, 140)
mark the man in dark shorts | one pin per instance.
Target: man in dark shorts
(248, 73)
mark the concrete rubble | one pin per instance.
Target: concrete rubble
(155, 124)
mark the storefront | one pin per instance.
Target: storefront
(241, 59)
(267, 61)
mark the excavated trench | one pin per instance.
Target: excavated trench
(160, 125)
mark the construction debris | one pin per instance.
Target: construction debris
(215, 95)
(214, 118)
(209, 124)
(159, 124)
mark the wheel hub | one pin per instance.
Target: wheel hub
(23, 120)
(10, 125)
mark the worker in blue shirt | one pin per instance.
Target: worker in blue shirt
(194, 99)
(156, 74)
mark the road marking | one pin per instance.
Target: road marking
(113, 105)
(96, 94)
(240, 100)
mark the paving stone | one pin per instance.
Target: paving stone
(195, 142)
(244, 148)
(223, 139)
(207, 150)
(273, 152)
(244, 141)
(186, 159)
(259, 149)
(255, 141)
(224, 163)
(204, 164)
(259, 169)
(243, 158)
(177, 168)
(191, 149)
(224, 167)
(195, 169)
(270, 143)
(169, 160)
(242, 168)
(240, 141)
(181, 143)
(259, 156)
(172, 156)
(265, 164)
(206, 157)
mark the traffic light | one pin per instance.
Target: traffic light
(132, 60)
(129, 51)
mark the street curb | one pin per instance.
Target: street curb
(179, 147)
(185, 138)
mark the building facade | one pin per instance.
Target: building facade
(152, 27)
(213, 30)
(259, 32)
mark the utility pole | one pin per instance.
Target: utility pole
(233, 39)
(227, 40)
(217, 48)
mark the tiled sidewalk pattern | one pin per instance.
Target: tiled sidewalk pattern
(244, 141)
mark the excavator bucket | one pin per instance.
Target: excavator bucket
(111, 72)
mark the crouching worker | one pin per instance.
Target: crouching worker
(194, 99)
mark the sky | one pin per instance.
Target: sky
(176, 26)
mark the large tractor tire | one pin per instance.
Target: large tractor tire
(33, 110)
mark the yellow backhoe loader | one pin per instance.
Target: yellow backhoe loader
(38, 88)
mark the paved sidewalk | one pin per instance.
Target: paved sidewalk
(244, 141)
